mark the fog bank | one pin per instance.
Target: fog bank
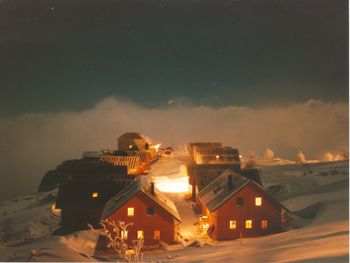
(31, 144)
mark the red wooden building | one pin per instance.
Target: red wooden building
(154, 216)
(235, 206)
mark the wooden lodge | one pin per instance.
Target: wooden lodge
(154, 216)
(85, 187)
(234, 206)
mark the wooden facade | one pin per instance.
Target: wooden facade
(243, 209)
(152, 215)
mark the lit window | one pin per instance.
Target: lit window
(130, 146)
(156, 234)
(130, 211)
(248, 224)
(233, 224)
(124, 234)
(150, 211)
(239, 201)
(258, 201)
(139, 234)
(94, 195)
(217, 156)
(264, 224)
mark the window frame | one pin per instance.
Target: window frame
(148, 211)
(264, 224)
(258, 203)
(129, 209)
(247, 225)
(156, 237)
(233, 223)
(142, 234)
(239, 201)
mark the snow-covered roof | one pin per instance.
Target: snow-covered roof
(140, 186)
(218, 191)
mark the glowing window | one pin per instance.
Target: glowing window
(130, 211)
(94, 195)
(139, 234)
(233, 224)
(130, 146)
(217, 156)
(124, 234)
(156, 234)
(264, 224)
(248, 224)
(258, 201)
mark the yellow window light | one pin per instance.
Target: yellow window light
(140, 234)
(233, 224)
(258, 201)
(131, 211)
(248, 224)
(124, 234)
(94, 195)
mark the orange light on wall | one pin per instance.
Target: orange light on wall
(94, 195)
(264, 224)
(156, 234)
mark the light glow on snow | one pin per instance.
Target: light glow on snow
(157, 146)
(176, 185)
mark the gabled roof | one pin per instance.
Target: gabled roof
(132, 190)
(217, 192)
(131, 135)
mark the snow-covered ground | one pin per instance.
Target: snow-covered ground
(316, 194)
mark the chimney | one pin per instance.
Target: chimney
(229, 182)
(151, 189)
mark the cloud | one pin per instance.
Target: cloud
(33, 143)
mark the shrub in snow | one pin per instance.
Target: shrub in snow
(113, 231)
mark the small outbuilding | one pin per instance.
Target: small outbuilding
(154, 217)
(234, 206)
(132, 141)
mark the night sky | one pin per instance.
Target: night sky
(68, 55)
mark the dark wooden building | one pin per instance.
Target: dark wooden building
(85, 187)
(200, 175)
(236, 206)
(154, 216)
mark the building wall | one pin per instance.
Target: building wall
(77, 218)
(161, 220)
(230, 211)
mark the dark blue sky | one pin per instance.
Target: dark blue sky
(60, 55)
